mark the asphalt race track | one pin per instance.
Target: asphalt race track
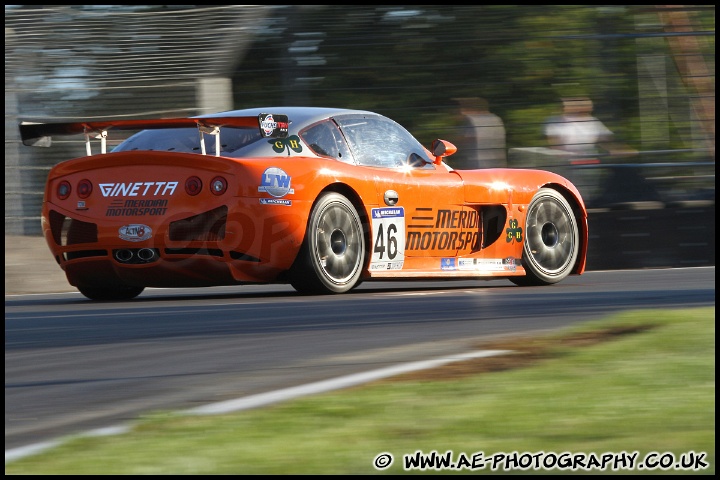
(72, 365)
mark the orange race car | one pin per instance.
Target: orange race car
(319, 198)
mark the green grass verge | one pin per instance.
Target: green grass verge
(651, 389)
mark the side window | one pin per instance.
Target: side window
(380, 142)
(325, 139)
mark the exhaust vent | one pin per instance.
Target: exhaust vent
(208, 227)
(69, 231)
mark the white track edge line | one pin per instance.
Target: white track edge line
(262, 399)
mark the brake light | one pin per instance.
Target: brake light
(84, 188)
(218, 186)
(193, 185)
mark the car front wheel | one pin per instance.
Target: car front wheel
(551, 243)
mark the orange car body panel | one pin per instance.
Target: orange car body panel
(441, 209)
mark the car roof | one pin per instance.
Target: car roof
(298, 116)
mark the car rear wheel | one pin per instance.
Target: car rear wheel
(114, 292)
(551, 243)
(332, 255)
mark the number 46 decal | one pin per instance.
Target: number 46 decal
(388, 230)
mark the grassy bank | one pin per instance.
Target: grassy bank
(636, 382)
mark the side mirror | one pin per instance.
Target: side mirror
(440, 149)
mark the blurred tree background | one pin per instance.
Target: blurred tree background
(409, 62)
(650, 70)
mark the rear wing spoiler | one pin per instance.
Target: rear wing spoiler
(40, 134)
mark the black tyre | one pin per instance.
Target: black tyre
(114, 292)
(551, 243)
(333, 253)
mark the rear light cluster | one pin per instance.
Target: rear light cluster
(193, 186)
(84, 189)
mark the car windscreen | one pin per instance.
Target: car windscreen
(380, 142)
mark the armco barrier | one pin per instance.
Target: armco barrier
(641, 235)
